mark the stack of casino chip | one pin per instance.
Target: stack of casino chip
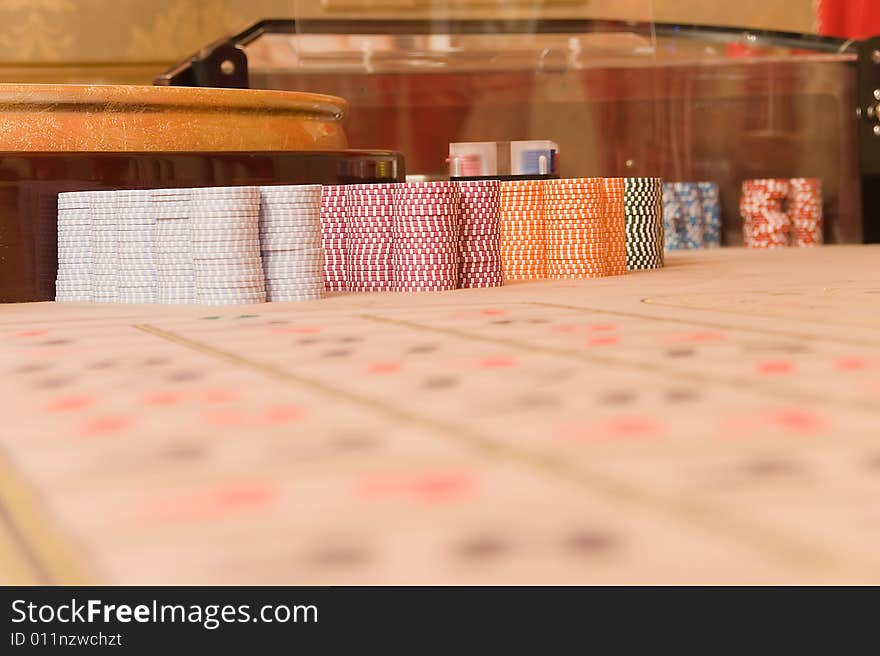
(643, 201)
(105, 266)
(136, 247)
(369, 241)
(225, 238)
(673, 219)
(333, 235)
(290, 242)
(425, 237)
(479, 243)
(691, 226)
(175, 275)
(805, 211)
(765, 222)
(615, 215)
(74, 278)
(710, 201)
(576, 228)
(522, 230)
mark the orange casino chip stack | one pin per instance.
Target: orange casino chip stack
(577, 234)
(765, 221)
(805, 211)
(615, 221)
(521, 224)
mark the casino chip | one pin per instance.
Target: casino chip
(615, 212)
(577, 227)
(291, 242)
(425, 245)
(805, 211)
(692, 215)
(688, 196)
(369, 237)
(647, 221)
(225, 238)
(105, 266)
(74, 275)
(136, 247)
(294, 242)
(522, 230)
(673, 219)
(762, 207)
(710, 202)
(175, 273)
(479, 241)
(781, 213)
(333, 236)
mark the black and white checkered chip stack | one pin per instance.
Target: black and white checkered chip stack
(290, 238)
(643, 201)
(175, 275)
(74, 279)
(334, 217)
(135, 246)
(225, 238)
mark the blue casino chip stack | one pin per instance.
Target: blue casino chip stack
(710, 199)
(691, 215)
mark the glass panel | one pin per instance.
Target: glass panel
(619, 97)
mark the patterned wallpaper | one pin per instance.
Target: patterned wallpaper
(128, 30)
(131, 40)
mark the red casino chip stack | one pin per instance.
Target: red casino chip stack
(478, 239)
(522, 230)
(805, 211)
(333, 236)
(369, 238)
(765, 223)
(615, 216)
(577, 235)
(426, 236)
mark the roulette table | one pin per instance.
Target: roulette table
(711, 422)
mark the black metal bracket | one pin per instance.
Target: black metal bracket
(223, 63)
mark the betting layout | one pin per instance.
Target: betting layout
(684, 425)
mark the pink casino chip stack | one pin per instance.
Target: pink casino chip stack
(479, 239)
(426, 236)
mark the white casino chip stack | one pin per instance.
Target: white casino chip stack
(105, 266)
(135, 247)
(175, 274)
(74, 279)
(225, 239)
(291, 243)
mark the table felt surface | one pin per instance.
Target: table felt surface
(717, 421)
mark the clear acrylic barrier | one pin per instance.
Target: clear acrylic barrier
(619, 94)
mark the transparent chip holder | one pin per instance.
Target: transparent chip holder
(620, 94)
